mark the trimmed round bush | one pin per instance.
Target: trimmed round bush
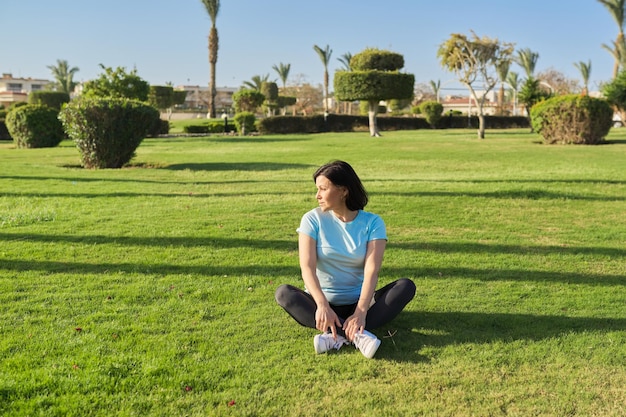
(107, 131)
(34, 126)
(572, 119)
(244, 122)
(432, 111)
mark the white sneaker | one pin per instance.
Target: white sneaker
(367, 343)
(324, 342)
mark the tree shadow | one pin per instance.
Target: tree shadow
(504, 181)
(411, 331)
(78, 180)
(236, 166)
(159, 269)
(482, 248)
(227, 139)
(165, 242)
(529, 194)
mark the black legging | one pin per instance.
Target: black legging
(389, 302)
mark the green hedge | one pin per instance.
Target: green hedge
(34, 126)
(4, 132)
(54, 99)
(210, 126)
(347, 123)
(572, 119)
(107, 131)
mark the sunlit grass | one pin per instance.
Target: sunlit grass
(149, 290)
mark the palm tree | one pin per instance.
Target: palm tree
(618, 12)
(283, 72)
(436, 86)
(512, 79)
(256, 82)
(502, 68)
(345, 61)
(212, 8)
(324, 55)
(527, 59)
(617, 51)
(585, 72)
(64, 75)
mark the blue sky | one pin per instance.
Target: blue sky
(166, 41)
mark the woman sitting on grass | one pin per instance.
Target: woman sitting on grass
(341, 250)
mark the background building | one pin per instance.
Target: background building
(13, 90)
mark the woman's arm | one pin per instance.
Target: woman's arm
(325, 317)
(373, 262)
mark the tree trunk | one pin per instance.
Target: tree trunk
(372, 112)
(481, 125)
(326, 80)
(213, 47)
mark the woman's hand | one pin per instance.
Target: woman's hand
(354, 324)
(325, 318)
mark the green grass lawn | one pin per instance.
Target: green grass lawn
(149, 290)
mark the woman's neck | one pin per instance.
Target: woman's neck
(345, 215)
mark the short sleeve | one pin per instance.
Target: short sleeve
(309, 225)
(377, 229)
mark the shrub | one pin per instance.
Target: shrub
(211, 126)
(244, 122)
(4, 132)
(432, 111)
(161, 127)
(34, 126)
(107, 131)
(247, 100)
(572, 119)
(54, 99)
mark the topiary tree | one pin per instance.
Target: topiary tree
(432, 111)
(285, 101)
(34, 126)
(107, 131)
(247, 100)
(117, 84)
(53, 99)
(270, 92)
(244, 122)
(577, 119)
(374, 77)
(161, 96)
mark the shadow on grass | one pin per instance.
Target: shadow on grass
(209, 271)
(274, 244)
(140, 181)
(503, 181)
(236, 166)
(481, 248)
(201, 271)
(531, 194)
(174, 138)
(165, 242)
(189, 194)
(416, 330)
(448, 272)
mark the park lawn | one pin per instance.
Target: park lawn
(148, 290)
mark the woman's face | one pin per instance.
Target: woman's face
(329, 196)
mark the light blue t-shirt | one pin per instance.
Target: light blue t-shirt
(341, 249)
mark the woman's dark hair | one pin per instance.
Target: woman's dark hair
(341, 174)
